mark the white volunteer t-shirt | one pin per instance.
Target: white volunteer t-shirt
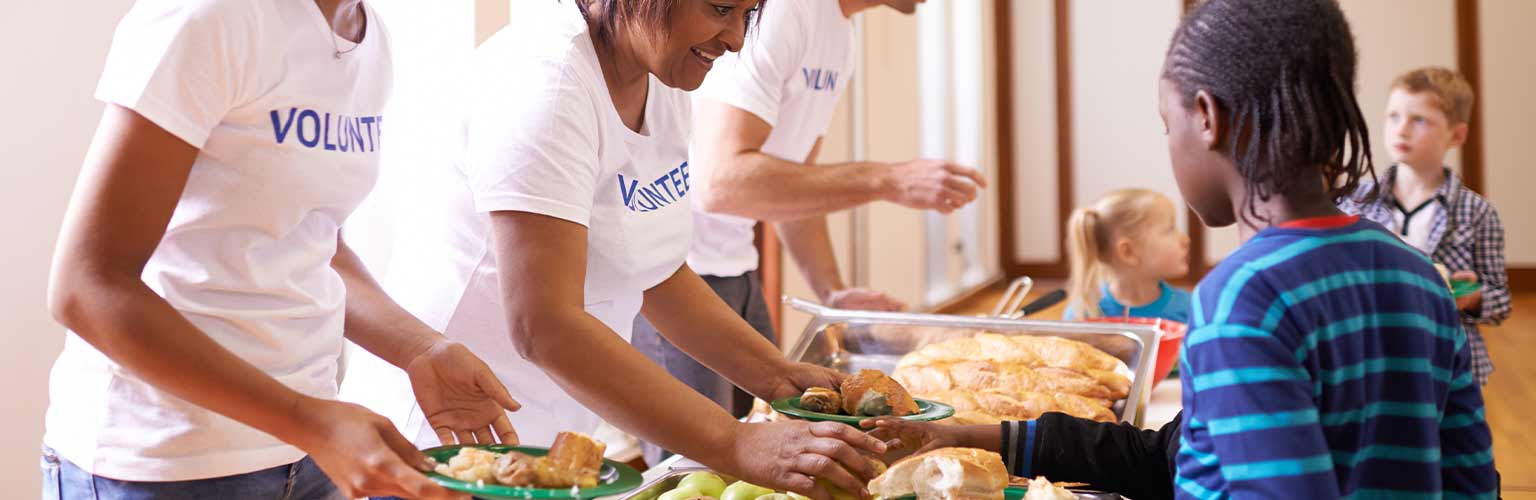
(289, 138)
(790, 73)
(541, 135)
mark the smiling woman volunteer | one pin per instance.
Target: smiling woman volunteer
(569, 207)
(201, 272)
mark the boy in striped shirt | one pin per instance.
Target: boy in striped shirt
(1326, 358)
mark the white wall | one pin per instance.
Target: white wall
(52, 58)
(1508, 103)
(1117, 136)
(1116, 54)
(1034, 133)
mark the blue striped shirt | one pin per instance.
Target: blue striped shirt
(1329, 363)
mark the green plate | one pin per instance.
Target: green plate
(1009, 493)
(1461, 288)
(614, 479)
(927, 410)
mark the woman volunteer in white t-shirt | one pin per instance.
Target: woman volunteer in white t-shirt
(201, 272)
(568, 209)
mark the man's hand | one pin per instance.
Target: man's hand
(460, 396)
(933, 185)
(863, 299)
(797, 377)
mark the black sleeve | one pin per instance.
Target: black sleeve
(1116, 457)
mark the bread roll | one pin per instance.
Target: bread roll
(821, 399)
(945, 474)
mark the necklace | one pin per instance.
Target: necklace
(337, 48)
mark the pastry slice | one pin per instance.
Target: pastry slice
(871, 393)
(574, 460)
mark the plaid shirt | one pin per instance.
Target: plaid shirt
(1467, 236)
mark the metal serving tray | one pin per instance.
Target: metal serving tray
(849, 341)
(670, 480)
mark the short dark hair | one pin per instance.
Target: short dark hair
(607, 15)
(1282, 73)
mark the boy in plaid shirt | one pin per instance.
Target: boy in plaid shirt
(1427, 205)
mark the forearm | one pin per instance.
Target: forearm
(810, 244)
(689, 314)
(760, 186)
(1115, 457)
(141, 332)
(373, 320)
(597, 368)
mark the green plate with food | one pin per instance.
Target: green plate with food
(927, 410)
(864, 395)
(485, 471)
(1462, 288)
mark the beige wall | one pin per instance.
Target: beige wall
(1508, 102)
(1117, 136)
(890, 82)
(1034, 133)
(53, 56)
(1117, 141)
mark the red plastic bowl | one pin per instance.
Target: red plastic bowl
(1170, 336)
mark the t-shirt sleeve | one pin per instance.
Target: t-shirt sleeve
(531, 141)
(181, 64)
(754, 80)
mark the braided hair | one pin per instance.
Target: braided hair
(1282, 73)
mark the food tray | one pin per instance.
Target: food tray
(670, 480)
(849, 341)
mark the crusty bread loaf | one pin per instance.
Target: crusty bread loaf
(993, 406)
(945, 474)
(990, 377)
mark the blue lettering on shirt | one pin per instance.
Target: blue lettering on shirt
(666, 189)
(332, 132)
(819, 79)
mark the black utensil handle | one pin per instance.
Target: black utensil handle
(1044, 302)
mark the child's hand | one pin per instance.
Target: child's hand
(905, 437)
(1472, 301)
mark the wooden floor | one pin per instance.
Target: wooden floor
(1510, 395)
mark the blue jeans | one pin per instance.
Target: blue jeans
(300, 480)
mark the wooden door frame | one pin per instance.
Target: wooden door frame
(1008, 241)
